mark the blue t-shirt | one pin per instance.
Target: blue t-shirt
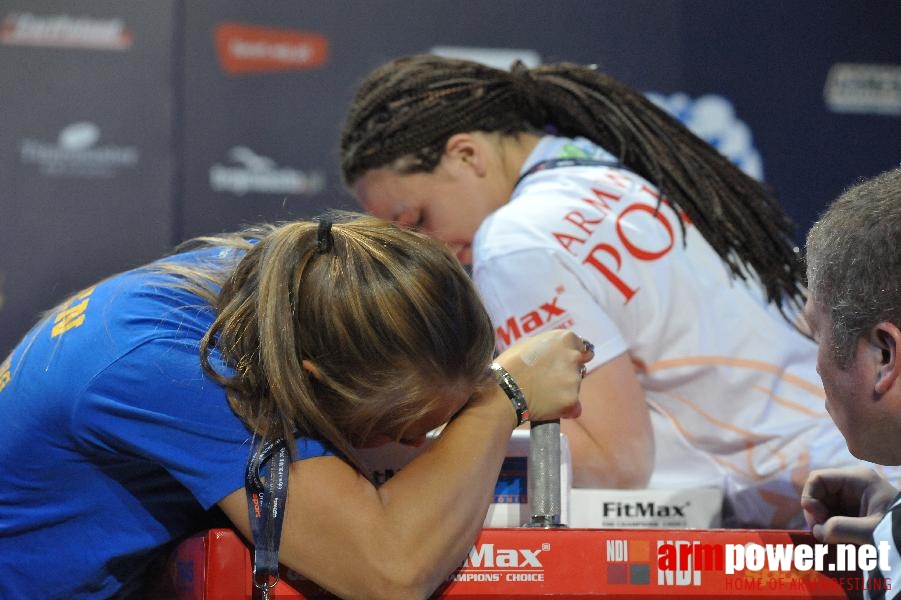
(113, 440)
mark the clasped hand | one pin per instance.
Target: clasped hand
(548, 369)
(845, 505)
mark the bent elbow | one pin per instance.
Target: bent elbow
(399, 584)
(613, 474)
(636, 473)
(635, 479)
(395, 573)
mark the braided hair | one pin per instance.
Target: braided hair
(406, 110)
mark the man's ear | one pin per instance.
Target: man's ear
(312, 368)
(886, 337)
(467, 150)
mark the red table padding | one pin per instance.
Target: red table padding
(532, 563)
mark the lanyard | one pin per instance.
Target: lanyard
(554, 163)
(265, 506)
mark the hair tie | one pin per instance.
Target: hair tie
(324, 239)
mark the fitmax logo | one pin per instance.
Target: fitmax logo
(488, 557)
(643, 509)
(515, 327)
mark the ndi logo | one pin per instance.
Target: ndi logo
(628, 562)
(676, 562)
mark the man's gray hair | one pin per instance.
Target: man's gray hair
(854, 261)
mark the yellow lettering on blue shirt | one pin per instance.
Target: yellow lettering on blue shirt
(70, 317)
(4, 374)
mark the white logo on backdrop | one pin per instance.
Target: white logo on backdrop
(76, 153)
(499, 58)
(864, 89)
(712, 118)
(260, 174)
(26, 29)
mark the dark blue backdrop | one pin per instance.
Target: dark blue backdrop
(128, 125)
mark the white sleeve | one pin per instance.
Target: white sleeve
(529, 291)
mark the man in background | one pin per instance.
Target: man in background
(854, 310)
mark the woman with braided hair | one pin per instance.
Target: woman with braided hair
(245, 372)
(580, 204)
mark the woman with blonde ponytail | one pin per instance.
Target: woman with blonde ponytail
(141, 404)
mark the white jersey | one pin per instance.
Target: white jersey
(734, 395)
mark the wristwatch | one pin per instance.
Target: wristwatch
(505, 380)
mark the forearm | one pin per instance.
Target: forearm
(402, 539)
(612, 442)
(599, 464)
(434, 508)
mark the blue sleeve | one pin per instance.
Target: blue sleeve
(156, 403)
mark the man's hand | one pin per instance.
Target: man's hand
(845, 505)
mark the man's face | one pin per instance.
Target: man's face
(850, 396)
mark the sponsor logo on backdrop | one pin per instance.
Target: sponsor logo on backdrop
(244, 49)
(64, 31)
(712, 118)
(864, 89)
(78, 153)
(253, 173)
(499, 58)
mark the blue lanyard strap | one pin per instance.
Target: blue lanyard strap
(554, 163)
(265, 506)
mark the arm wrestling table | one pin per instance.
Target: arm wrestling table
(543, 559)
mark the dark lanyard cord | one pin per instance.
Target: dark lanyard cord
(554, 163)
(265, 506)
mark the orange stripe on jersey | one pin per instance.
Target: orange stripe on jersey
(745, 433)
(740, 363)
(749, 443)
(789, 404)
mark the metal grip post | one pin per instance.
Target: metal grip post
(544, 474)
